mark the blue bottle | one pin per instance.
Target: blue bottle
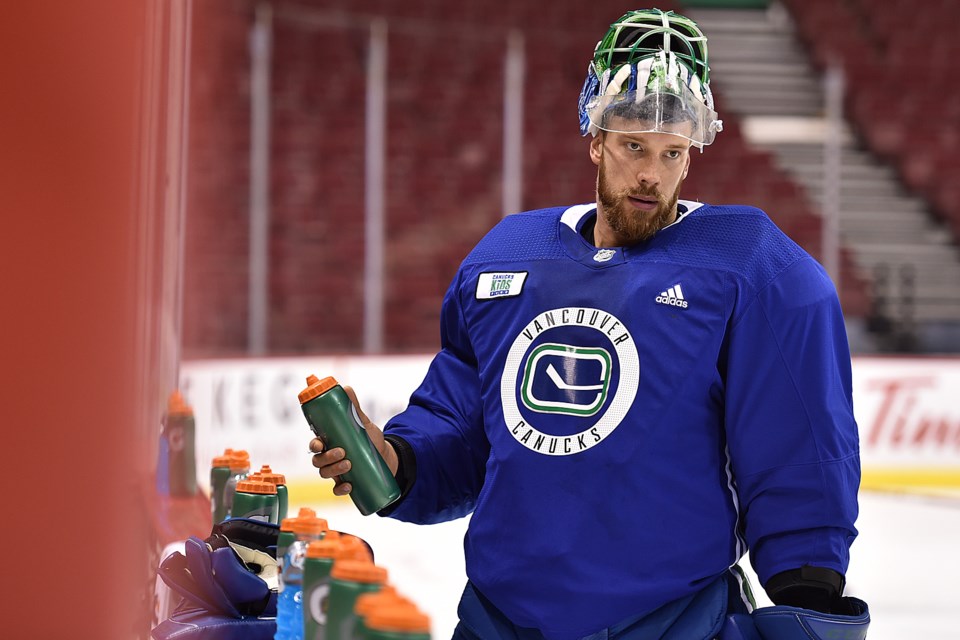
(290, 598)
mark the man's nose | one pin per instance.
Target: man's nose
(647, 174)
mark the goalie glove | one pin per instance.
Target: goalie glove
(223, 578)
(790, 622)
(793, 623)
(808, 606)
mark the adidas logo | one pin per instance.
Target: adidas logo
(673, 297)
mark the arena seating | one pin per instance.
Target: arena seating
(444, 162)
(899, 58)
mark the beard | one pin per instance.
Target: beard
(628, 223)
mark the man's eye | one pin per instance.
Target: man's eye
(633, 146)
(673, 154)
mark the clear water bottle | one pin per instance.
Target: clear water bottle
(239, 470)
(290, 598)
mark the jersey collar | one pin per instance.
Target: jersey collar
(577, 247)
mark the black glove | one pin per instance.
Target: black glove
(814, 588)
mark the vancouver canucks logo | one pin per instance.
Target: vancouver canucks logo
(570, 378)
(580, 390)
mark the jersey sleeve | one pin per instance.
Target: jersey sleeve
(790, 427)
(443, 425)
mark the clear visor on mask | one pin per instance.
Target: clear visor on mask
(675, 111)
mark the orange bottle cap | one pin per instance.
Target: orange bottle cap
(331, 535)
(239, 461)
(326, 548)
(353, 548)
(256, 486)
(315, 387)
(287, 524)
(177, 406)
(367, 602)
(306, 511)
(310, 526)
(267, 473)
(221, 461)
(358, 571)
(398, 618)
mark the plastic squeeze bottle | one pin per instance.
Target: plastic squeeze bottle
(373, 601)
(177, 468)
(321, 554)
(285, 539)
(219, 475)
(239, 470)
(290, 599)
(255, 499)
(396, 622)
(334, 420)
(349, 579)
(281, 482)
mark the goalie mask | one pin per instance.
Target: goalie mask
(649, 73)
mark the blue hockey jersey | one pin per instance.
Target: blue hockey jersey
(625, 423)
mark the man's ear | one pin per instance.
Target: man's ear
(686, 168)
(596, 148)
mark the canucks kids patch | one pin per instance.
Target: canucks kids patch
(500, 285)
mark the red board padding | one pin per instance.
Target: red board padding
(70, 458)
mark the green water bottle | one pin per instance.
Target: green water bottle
(256, 500)
(372, 601)
(179, 433)
(316, 586)
(219, 475)
(334, 420)
(281, 482)
(322, 556)
(348, 580)
(395, 622)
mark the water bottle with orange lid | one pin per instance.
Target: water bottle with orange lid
(239, 470)
(287, 534)
(322, 555)
(281, 483)
(334, 420)
(219, 476)
(395, 622)
(353, 548)
(177, 466)
(348, 580)
(290, 600)
(367, 603)
(255, 499)
(284, 539)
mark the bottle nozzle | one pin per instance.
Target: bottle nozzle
(316, 387)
